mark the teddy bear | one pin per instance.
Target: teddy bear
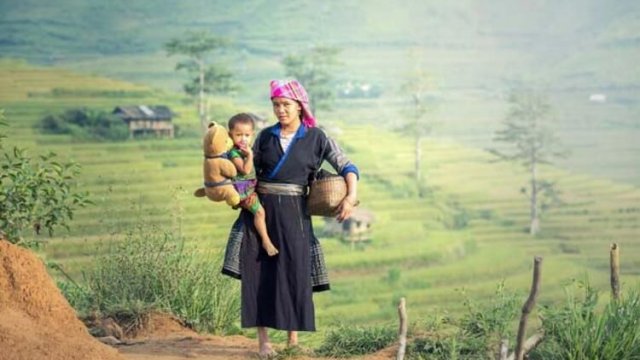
(217, 169)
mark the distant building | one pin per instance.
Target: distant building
(598, 98)
(261, 121)
(355, 229)
(146, 120)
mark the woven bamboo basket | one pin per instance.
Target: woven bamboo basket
(325, 194)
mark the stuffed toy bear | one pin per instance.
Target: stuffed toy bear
(218, 170)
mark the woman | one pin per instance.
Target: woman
(277, 291)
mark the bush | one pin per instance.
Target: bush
(491, 321)
(347, 341)
(435, 348)
(578, 330)
(86, 124)
(153, 270)
(35, 193)
(474, 336)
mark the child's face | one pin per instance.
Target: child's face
(241, 134)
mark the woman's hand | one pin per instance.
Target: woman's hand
(345, 209)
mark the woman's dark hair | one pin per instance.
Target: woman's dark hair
(242, 118)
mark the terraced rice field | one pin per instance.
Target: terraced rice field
(468, 233)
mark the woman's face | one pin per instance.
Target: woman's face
(286, 110)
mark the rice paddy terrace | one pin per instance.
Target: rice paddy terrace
(468, 232)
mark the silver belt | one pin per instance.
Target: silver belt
(281, 189)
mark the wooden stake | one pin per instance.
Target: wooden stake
(527, 307)
(402, 331)
(504, 349)
(614, 256)
(529, 345)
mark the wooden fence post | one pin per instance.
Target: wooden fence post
(614, 256)
(527, 307)
(402, 331)
(503, 352)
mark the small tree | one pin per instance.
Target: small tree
(315, 70)
(532, 143)
(35, 193)
(418, 124)
(205, 78)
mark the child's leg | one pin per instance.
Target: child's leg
(259, 220)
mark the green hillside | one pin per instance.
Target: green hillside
(527, 35)
(474, 51)
(468, 235)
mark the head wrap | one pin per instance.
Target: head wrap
(294, 90)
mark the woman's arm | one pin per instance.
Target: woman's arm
(337, 158)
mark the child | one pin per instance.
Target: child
(241, 128)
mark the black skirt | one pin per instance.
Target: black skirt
(277, 290)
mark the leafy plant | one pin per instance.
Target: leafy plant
(36, 193)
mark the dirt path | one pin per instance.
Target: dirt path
(191, 347)
(210, 348)
(163, 338)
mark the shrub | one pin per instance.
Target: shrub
(85, 124)
(393, 276)
(35, 193)
(345, 341)
(150, 269)
(491, 321)
(578, 330)
(475, 335)
(435, 348)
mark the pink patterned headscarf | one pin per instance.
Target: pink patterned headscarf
(295, 91)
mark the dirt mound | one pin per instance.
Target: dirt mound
(161, 325)
(37, 321)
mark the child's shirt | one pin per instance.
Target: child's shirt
(236, 153)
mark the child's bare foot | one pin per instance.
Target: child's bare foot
(269, 248)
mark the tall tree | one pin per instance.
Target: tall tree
(315, 69)
(531, 143)
(418, 124)
(207, 78)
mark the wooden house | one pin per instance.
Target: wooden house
(355, 229)
(146, 120)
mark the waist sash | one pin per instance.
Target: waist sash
(281, 189)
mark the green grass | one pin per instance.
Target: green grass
(147, 269)
(347, 341)
(580, 328)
